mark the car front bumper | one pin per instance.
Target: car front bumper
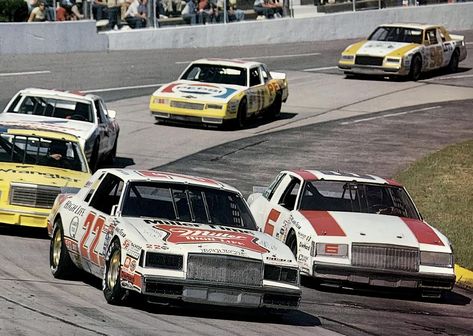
(221, 294)
(24, 218)
(383, 278)
(203, 119)
(373, 70)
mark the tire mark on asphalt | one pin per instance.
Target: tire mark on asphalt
(52, 316)
(365, 332)
(237, 150)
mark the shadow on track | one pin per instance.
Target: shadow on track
(23, 231)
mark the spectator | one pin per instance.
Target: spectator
(277, 7)
(113, 10)
(72, 10)
(262, 7)
(172, 6)
(189, 13)
(61, 13)
(233, 14)
(99, 10)
(38, 14)
(205, 12)
(136, 15)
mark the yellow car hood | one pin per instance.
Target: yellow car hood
(385, 48)
(43, 175)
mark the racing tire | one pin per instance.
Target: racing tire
(112, 289)
(242, 115)
(275, 109)
(454, 60)
(94, 159)
(416, 68)
(113, 153)
(291, 241)
(60, 261)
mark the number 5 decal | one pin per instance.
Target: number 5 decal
(273, 217)
(92, 225)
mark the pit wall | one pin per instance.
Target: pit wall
(81, 36)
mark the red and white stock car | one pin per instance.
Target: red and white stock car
(170, 236)
(362, 229)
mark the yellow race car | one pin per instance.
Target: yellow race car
(220, 91)
(37, 165)
(404, 50)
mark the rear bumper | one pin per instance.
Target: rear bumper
(24, 218)
(222, 294)
(383, 278)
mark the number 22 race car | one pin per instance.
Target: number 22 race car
(170, 237)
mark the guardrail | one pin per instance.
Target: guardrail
(75, 36)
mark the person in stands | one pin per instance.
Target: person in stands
(136, 14)
(189, 13)
(38, 14)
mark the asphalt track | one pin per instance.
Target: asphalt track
(369, 125)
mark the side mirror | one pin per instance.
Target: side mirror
(112, 114)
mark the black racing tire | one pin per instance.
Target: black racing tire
(454, 60)
(416, 68)
(291, 241)
(275, 109)
(113, 153)
(242, 115)
(112, 289)
(60, 261)
(94, 159)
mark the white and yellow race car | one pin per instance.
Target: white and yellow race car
(221, 91)
(404, 50)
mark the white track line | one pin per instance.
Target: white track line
(24, 73)
(449, 77)
(123, 88)
(322, 68)
(390, 115)
(264, 57)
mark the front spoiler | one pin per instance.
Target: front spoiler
(222, 294)
(383, 278)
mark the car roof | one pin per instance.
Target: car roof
(329, 175)
(228, 62)
(159, 176)
(411, 25)
(56, 93)
(40, 130)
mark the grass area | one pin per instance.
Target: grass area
(441, 185)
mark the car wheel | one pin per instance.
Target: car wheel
(112, 289)
(113, 153)
(60, 261)
(275, 109)
(242, 114)
(453, 64)
(94, 159)
(416, 68)
(291, 241)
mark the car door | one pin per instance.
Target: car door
(256, 91)
(92, 231)
(282, 202)
(433, 49)
(448, 46)
(270, 86)
(103, 126)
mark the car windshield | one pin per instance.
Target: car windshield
(29, 149)
(187, 203)
(357, 197)
(397, 34)
(52, 107)
(213, 73)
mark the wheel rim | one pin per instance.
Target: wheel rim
(57, 247)
(114, 269)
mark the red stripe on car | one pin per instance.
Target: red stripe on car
(323, 223)
(306, 175)
(169, 88)
(424, 233)
(393, 182)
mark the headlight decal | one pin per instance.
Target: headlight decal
(332, 250)
(281, 274)
(164, 260)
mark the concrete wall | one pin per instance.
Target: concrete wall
(50, 37)
(63, 37)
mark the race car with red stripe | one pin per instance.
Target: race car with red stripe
(355, 228)
(222, 92)
(170, 237)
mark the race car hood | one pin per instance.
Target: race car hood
(41, 175)
(385, 48)
(373, 228)
(200, 238)
(80, 129)
(199, 91)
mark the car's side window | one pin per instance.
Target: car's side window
(107, 194)
(255, 78)
(431, 37)
(288, 198)
(100, 113)
(265, 74)
(273, 186)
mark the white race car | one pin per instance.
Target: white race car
(170, 236)
(362, 229)
(83, 115)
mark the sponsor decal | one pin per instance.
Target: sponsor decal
(304, 246)
(32, 172)
(130, 280)
(74, 208)
(295, 223)
(156, 247)
(185, 235)
(171, 176)
(43, 125)
(323, 223)
(271, 221)
(71, 245)
(203, 89)
(73, 226)
(423, 232)
(303, 236)
(302, 258)
(240, 253)
(274, 258)
(132, 249)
